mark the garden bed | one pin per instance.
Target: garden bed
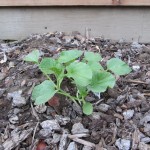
(121, 115)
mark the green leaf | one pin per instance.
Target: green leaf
(94, 57)
(80, 72)
(43, 92)
(118, 66)
(101, 81)
(95, 66)
(49, 66)
(67, 56)
(87, 108)
(82, 91)
(33, 56)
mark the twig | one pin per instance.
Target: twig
(146, 94)
(87, 35)
(34, 132)
(63, 140)
(114, 136)
(34, 113)
(82, 141)
(103, 142)
(135, 81)
(78, 135)
(135, 139)
(31, 89)
(34, 145)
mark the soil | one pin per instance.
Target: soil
(121, 117)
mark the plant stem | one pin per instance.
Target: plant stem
(68, 95)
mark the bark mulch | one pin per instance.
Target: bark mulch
(121, 117)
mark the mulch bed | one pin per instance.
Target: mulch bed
(121, 117)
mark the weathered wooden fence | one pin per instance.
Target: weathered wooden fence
(127, 19)
(74, 2)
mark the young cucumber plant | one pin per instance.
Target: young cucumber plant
(86, 74)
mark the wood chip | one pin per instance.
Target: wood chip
(118, 116)
(135, 81)
(86, 143)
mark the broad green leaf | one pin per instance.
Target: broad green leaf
(118, 66)
(33, 56)
(95, 66)
(49, 66)
(43, 92)
(91, 56)
(82, 91)
(70, 55)
(101, 81)
(87, 108)
(80, 72)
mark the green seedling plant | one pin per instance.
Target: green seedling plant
(84, 71)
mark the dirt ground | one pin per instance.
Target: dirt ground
(121, 117)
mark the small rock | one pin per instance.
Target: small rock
(11, 64)
(103, 107)
(72, 146)
(45, 133)
(17, 99)
(136, 45)
(80, 38)
(1, 147)
(75, 42)
(143, 146)
(145, 119)
(4, 47)
(52, 48)
(147, 129)
(16, 111)
(77, 108)
(134, 103)
(2, 76)
(78, 128)
(145, 140)
(62, 120)
(136, 68)
(55, 40)
(95, 115)
(118, 116)
(56, 138)
(148, 74)
(87, 148)
(40, 108)
(118, 54)
(123, 144)
(121, 99)
(50, 124)
(68, 38)
(128, 114)
(146, 49)
(23, 83)
(14, 119)
(144, 56)
(118, 122)
(2, 91)
(118, 109)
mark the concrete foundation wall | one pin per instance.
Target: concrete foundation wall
(129, 23)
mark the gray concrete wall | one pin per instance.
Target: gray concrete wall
(129, 23)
